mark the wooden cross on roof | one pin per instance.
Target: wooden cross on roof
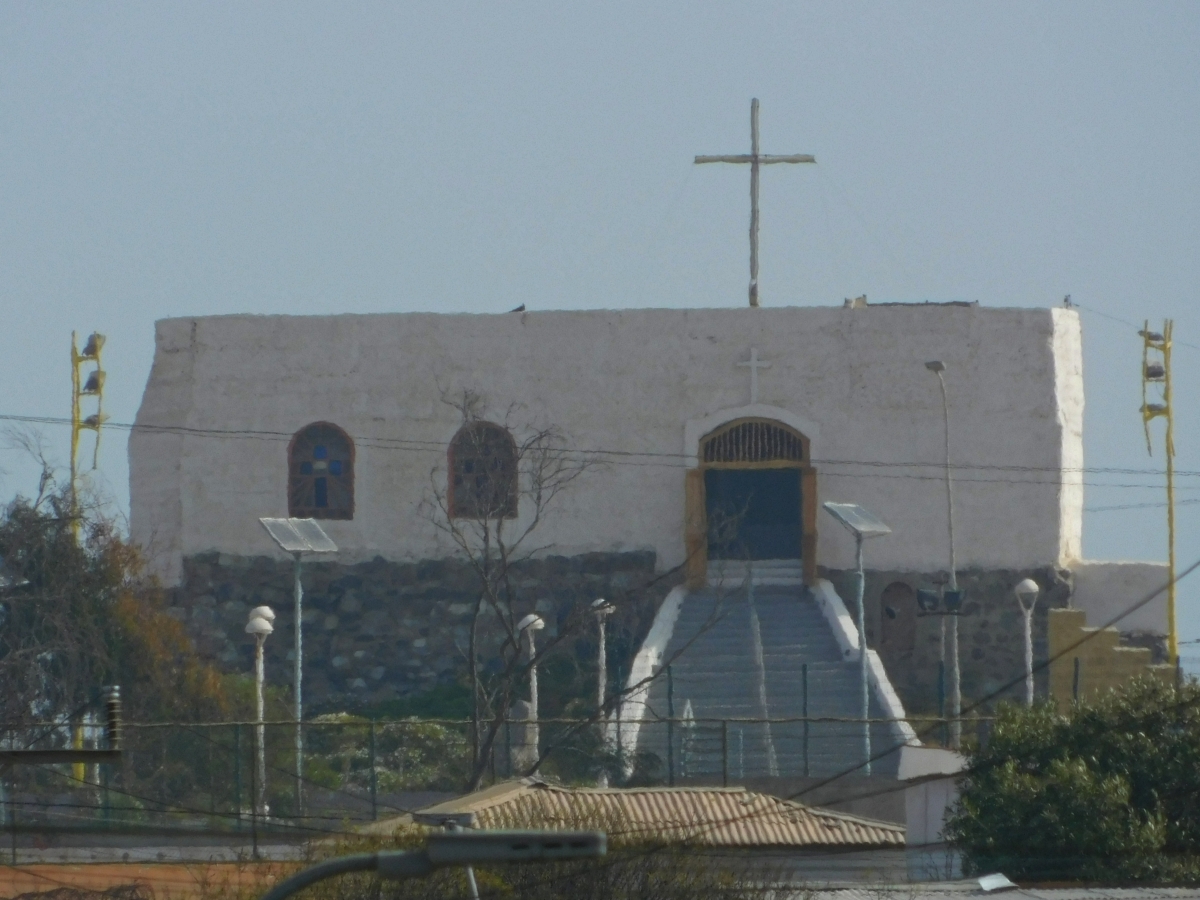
(755, 159)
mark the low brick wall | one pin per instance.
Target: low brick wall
(380, 630)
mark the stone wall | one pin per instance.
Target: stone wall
(379, 630)
(991, 631)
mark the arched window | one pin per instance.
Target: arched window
(321, 473)
(483, 473)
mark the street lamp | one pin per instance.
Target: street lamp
(1027, 593)
(260, 626)
(862, 525)
(601, 609)
(938, 368)
(526, 629)
(297, 537)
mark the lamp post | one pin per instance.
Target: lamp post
(938, 368)
(862, 525)
(260, 626)
(297, 537)
(527, 628)
(1027, 593)
(601, 609)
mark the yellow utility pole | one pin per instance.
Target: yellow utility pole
(1156, 374)
(93, 386)
(80, 388)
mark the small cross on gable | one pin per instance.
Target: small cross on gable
(754, 364)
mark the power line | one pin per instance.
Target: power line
(628, 457)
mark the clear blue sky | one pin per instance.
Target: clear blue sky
(165, 159)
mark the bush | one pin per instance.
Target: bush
(1107, 792)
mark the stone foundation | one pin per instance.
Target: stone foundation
(381, 630)
(990, 632)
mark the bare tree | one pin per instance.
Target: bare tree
(501, 481)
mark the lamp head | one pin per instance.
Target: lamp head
(94, 383)
(602, 607)
(1027, 592)
(531, 622)
(259, 627)
(263, 612)
(95, 343)
(935, 365)
(927, 601)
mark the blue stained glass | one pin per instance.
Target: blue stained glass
(335, 467)
(305, 468)
(320, 452)
(320, 492)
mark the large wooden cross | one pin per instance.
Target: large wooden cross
(755, 159)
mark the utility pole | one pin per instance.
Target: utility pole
(1156, 375)
(938, 368)
(93, 386)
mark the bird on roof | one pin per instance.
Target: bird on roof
(520, 308)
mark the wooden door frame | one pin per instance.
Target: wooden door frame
(696, 506)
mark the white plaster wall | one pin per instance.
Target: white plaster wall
(1105, 590)
(1068, 393)
(629, 381)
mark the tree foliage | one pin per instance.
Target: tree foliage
(78, 611)
(1110, 791)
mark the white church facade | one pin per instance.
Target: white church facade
(681, 417)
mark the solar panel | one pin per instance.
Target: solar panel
(299, 535)
(857, 519)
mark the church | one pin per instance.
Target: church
(707, 441)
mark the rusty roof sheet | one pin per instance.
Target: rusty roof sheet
(712, 817)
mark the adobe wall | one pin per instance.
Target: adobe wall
(226, 393)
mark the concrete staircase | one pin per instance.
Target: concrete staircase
(741, 654)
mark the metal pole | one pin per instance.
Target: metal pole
(670, 729)
(601, 667)
(259, 728)
(804, 710)
(533, 695)
(941, 700)
(297, 682)
(601, 686)
(955, 674)
(374, 779)
(1075, 681)
(1172, 633)
(253, 814)
(1028, 614)
(864, 688)
(724, 753)
(237, 773)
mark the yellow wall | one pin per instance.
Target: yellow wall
(1103, 663)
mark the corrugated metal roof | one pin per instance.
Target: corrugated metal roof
(711, 817)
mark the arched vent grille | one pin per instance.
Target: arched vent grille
(754, 442)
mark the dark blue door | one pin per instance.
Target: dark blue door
(753, 513)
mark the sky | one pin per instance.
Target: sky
(169, 159)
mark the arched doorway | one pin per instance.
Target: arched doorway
(752, 497)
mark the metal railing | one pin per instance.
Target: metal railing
(202, 776)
